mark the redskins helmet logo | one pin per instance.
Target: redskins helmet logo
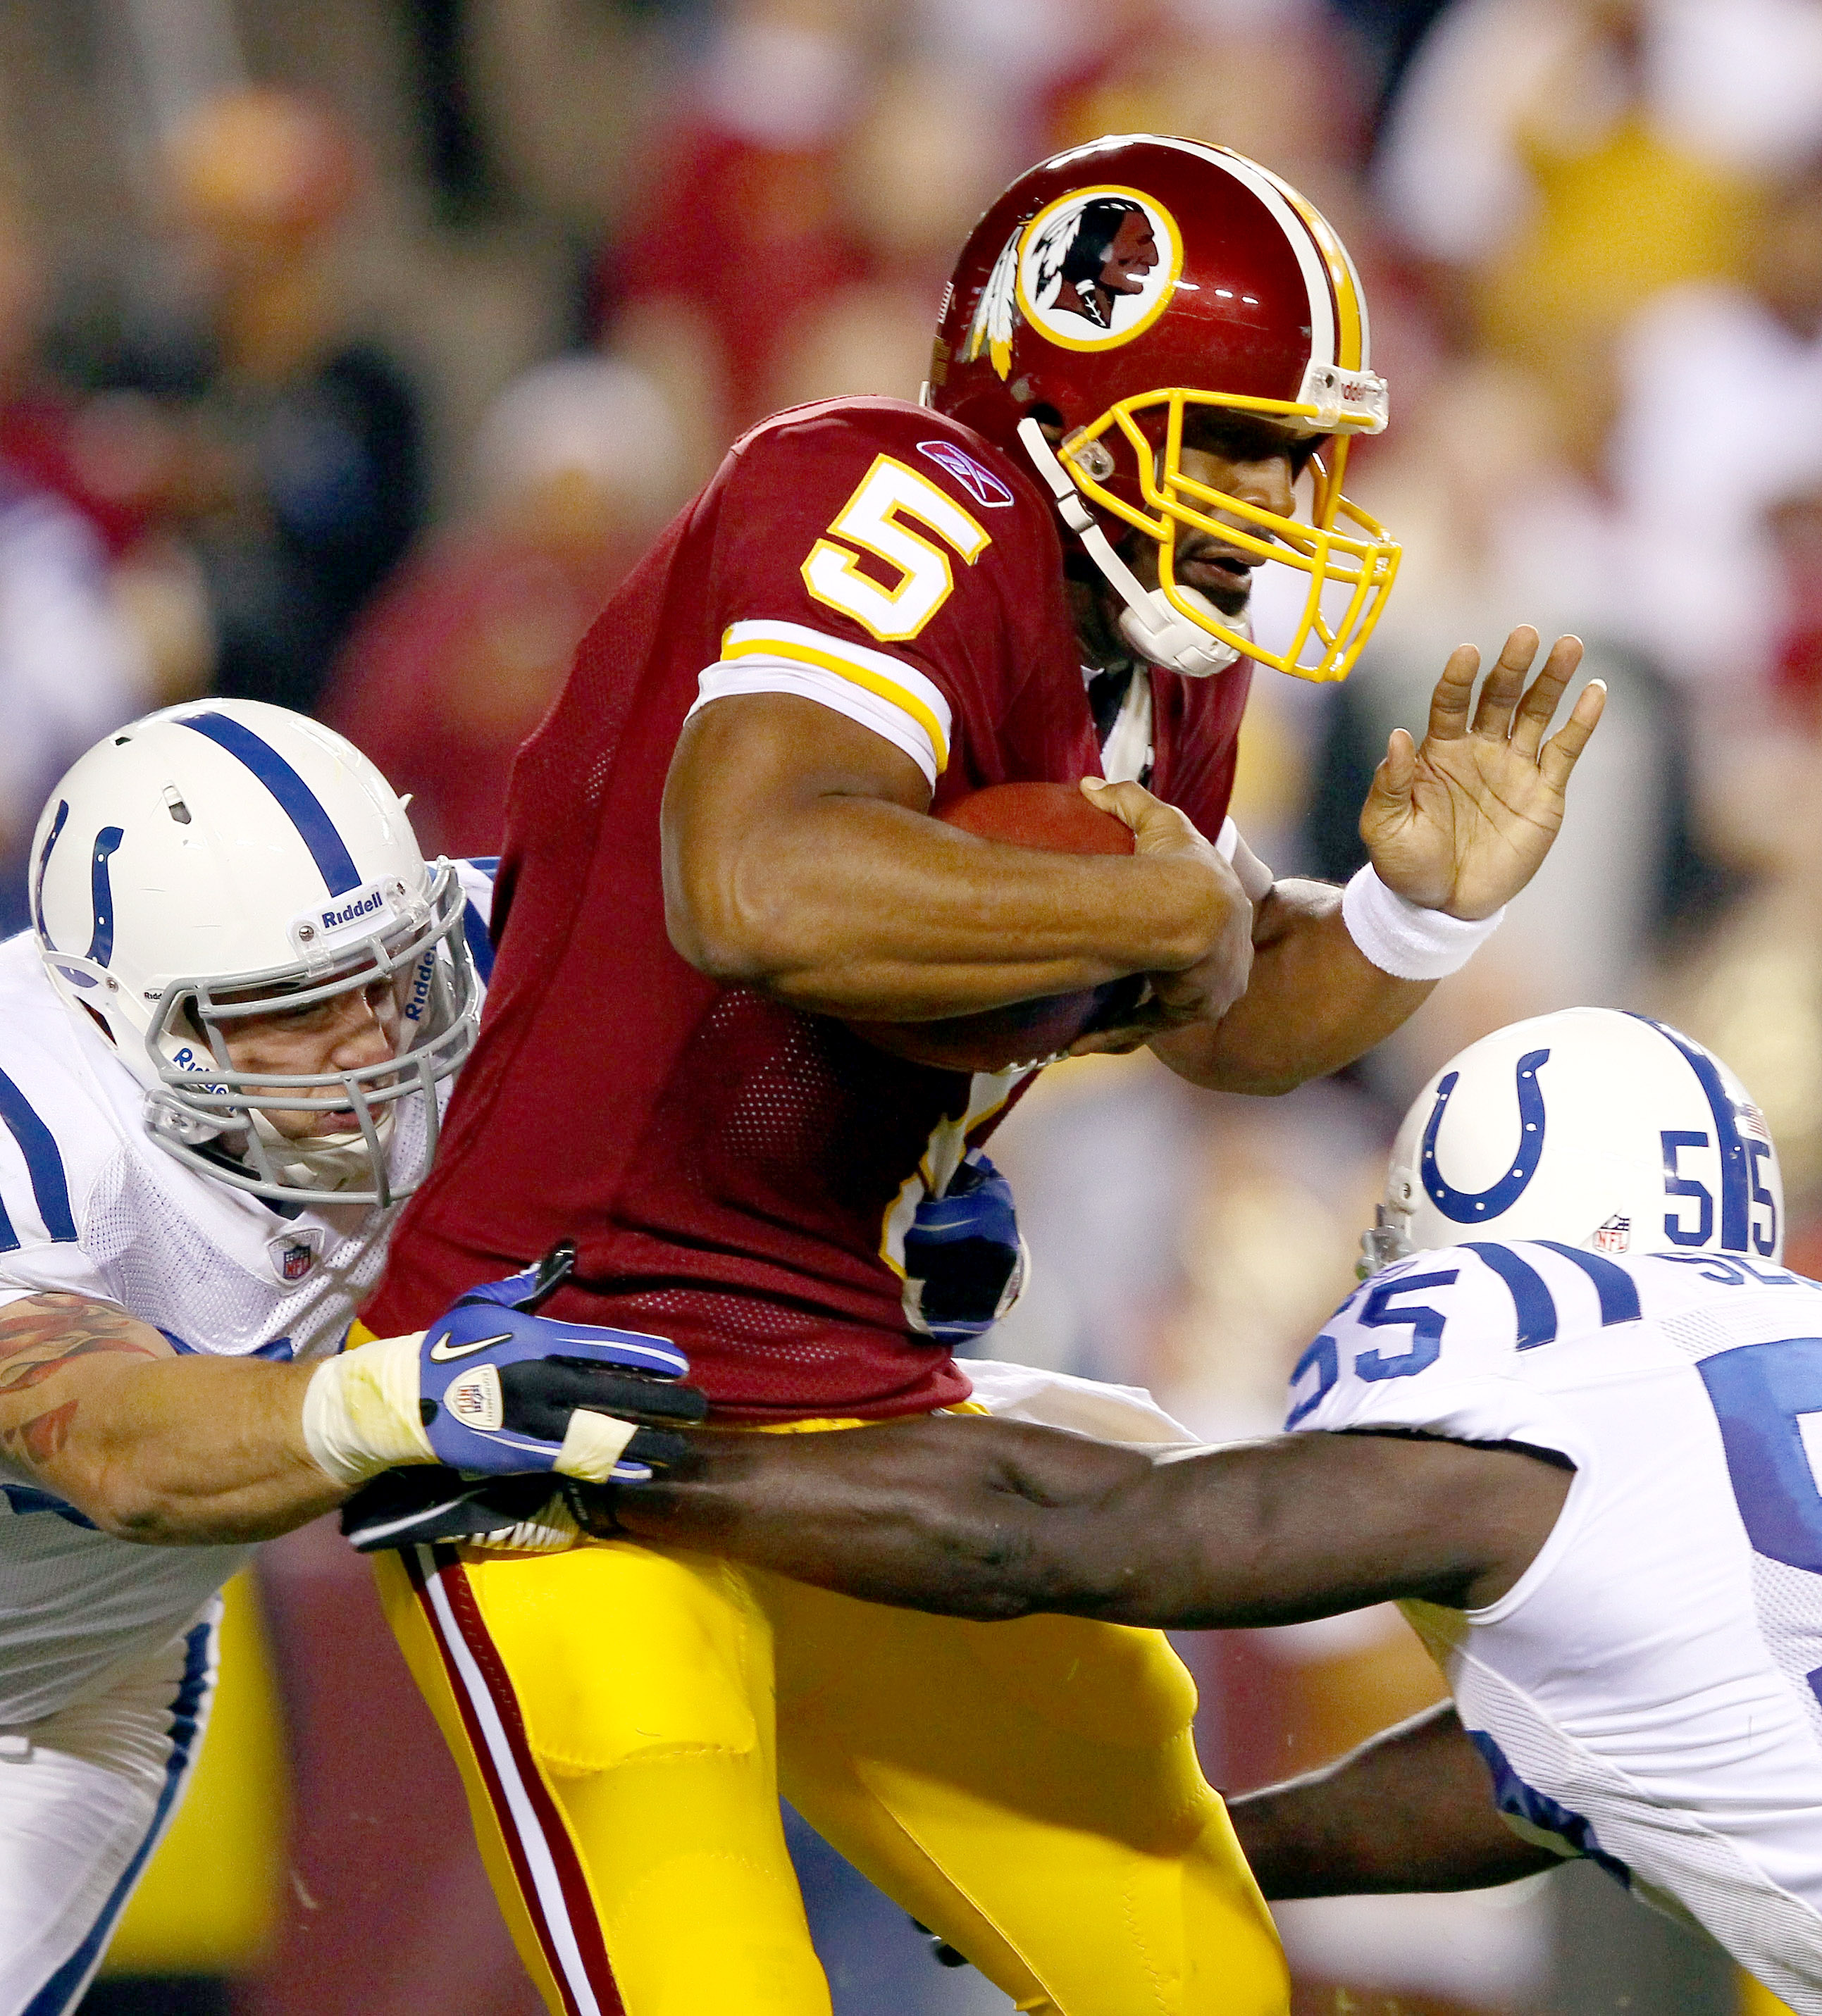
(1090, 271)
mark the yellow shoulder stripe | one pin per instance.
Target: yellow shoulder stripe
(888, 678)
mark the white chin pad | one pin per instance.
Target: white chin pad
(324, 1161)
(1169, 639)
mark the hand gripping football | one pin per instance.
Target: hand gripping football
(1057, 817)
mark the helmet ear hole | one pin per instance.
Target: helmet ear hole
(1047, 417)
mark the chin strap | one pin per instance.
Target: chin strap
(324, 1162)
(1158, 632)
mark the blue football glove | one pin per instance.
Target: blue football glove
(502, 1391)
(493, 1389)
(965, 1263)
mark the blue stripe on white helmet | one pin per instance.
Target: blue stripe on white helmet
(301, 805)
(1606, 1131)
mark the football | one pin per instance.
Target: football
(1058, 817)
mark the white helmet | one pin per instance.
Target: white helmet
(1599, 1130)
(225, 859)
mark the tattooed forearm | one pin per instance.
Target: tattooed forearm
(39, 1337)
(146, 1441)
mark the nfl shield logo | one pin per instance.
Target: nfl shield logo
(1615, 1236)
(295, 1261)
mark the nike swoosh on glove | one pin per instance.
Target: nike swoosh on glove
(502, 1391)
(494, 1390)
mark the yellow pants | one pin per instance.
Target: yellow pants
(626, 1716)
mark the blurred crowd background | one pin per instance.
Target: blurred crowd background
(349, 353)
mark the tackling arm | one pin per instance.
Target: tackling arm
(196, 1450)
(1411, 1809)
(993, 1519)
(1314, 1002)
(798, 860)
(97, 1407)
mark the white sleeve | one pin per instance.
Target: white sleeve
(872, 688)
(1431, 1344)
(38, 1266)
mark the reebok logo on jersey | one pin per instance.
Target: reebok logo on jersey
(476, 1399)
(442, 1351)
(980, 482)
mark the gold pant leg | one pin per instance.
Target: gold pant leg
(1031, 1791)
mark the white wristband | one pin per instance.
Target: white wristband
(360, 1411)
(1404, 940)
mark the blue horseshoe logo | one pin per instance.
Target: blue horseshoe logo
(101, 894)
(1462, 1207)
(43, 862)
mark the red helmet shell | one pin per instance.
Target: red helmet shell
(1136, 263)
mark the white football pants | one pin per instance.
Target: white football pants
(86, 1796)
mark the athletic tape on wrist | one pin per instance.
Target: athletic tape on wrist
(1404, 940)
(360, 1411)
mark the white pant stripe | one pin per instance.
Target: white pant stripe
(525, 1823)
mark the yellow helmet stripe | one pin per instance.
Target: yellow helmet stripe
(1350, 304)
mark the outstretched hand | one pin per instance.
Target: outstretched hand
(1462, 822)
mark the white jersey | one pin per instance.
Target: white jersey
(90, 1205)
(1647, 1692)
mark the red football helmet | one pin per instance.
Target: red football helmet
(1117, 285)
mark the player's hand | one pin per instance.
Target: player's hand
(493, 1389)
(965, 1263)
(428, 1502)
(1205, 991)
(1461, 823)
(501, 1390)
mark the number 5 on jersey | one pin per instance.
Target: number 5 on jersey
(872, 520)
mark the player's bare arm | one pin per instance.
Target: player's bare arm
(1412, 1808)
(798, 860)
(994, 1519)
(100, 1410)
(1458, 824)
(185, 1449)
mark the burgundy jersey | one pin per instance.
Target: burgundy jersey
(737, 1174)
